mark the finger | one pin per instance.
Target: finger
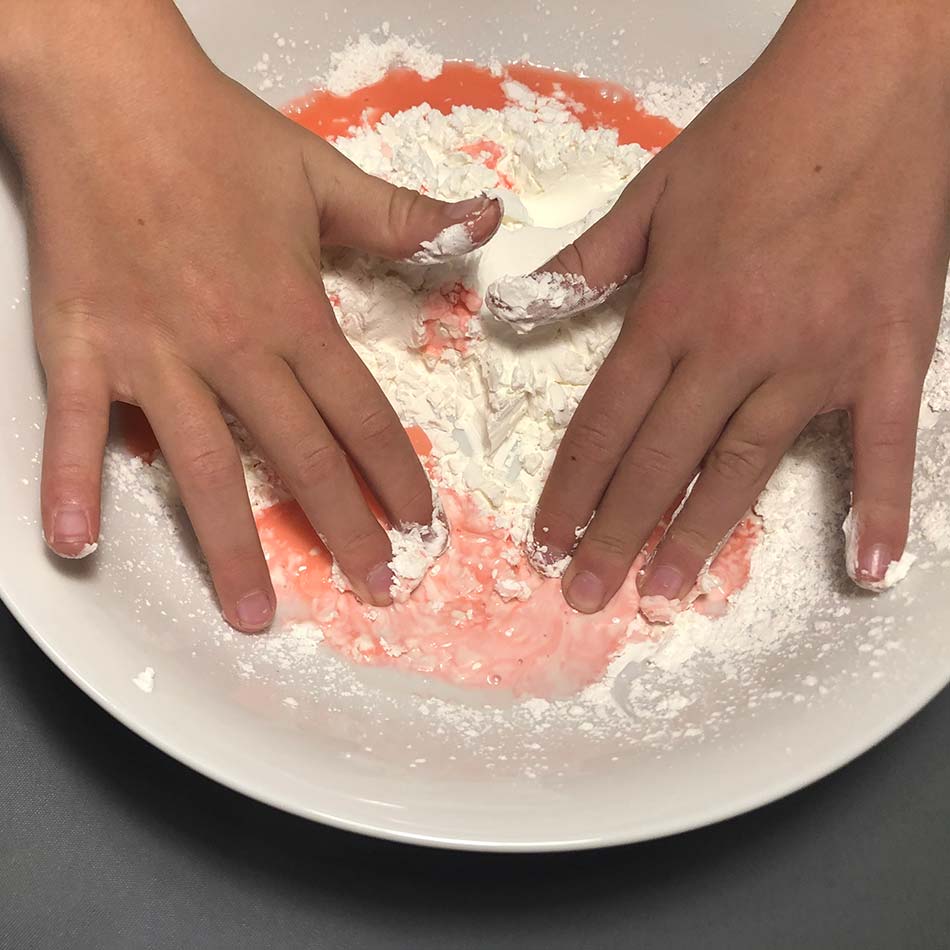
(732, 477)
(364, 424)
(585, 273)
(363, 211)
(885, 442)
(598, 436)
(683, 423)
(77, 426)
(289, 430)
(201, 453)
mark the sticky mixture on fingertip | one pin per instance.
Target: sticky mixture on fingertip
(536, 300)
(415, 549)
(893, 574)
(460, 238)
(86, 550)
(659, 609)
(546, 561)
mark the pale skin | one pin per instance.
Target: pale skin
(175, 226)
(792, 245)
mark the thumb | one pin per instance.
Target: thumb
(367, 213)
(586, 272)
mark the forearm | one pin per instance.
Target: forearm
(845, 79)
(59, 60)
(866, 48)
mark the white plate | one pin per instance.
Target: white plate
(357, 752)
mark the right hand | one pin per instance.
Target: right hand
(175, 233)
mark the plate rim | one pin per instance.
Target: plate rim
(820, 768)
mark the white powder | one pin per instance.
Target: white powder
(454, 241)
(495, 415)
(415, 549)
(896, 570)
(363, 62)
(145, 680)
(536, 300)
(680, 102)
(544, 561)
(84, 553)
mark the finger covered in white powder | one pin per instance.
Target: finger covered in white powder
(542, 298)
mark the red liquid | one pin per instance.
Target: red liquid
(596, 104)
(456, 626)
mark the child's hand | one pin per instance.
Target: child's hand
(793, 244)
(175, 231)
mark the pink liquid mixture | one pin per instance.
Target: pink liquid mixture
(482, 617)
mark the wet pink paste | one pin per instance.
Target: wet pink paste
(456, 625)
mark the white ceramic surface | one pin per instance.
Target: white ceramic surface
(92, 619)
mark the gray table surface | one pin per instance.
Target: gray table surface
(107, 843)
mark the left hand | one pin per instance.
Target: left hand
(793, 245)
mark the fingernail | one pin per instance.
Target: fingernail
(470, 208)
(663, 581)
(255, 611)
(547, 561)
(873, 563)
(436, 537)
(586, 593)
(379, 583)
(71, 526)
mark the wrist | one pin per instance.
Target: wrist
(69, 69)
(849, 73)
(892, 44)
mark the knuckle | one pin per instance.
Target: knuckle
(740, 461)
(881, 514)
(67, 470)
(76, 309)
(661, 300)
(378, 423)
(747, 316)
(317, 331)
(693, 538)
(320, 461)
(229, 339)
(610, 546)
(242, 561)
(417, 507)
(300, 295)
(570, 259)
(890, 438)
(402, 206)
(591, 439)
(358, 546)
(211, 465)
(885, 443)
(649, 337)
(70, 404)
(651, 462)
(218, 325)
(71, 326)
